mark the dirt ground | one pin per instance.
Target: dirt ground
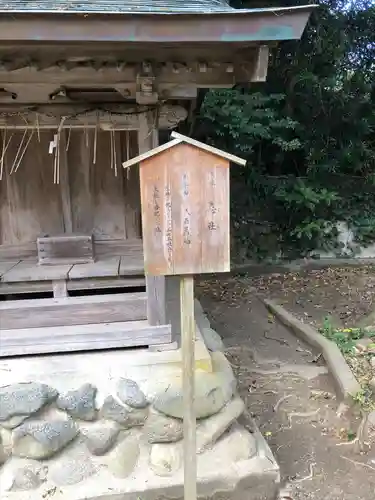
(344, 294)
(286, 387)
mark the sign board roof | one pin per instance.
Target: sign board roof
(179, 138)
(130, 6)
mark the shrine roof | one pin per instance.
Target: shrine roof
(128, 7)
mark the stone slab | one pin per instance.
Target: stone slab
(346, 383)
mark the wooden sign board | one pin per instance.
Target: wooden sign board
(185, 209)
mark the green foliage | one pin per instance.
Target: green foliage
(308, 134)
(344, 337)
(364, 399)
(248, 119)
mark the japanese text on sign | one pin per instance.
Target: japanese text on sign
(156, 208)
(168, 224)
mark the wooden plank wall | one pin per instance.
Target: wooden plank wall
(29, 200)
(95, 199)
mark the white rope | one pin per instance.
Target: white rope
(2, 161)
(18, 152)
(111, 146)
(24, 151)
(114, 151)
(56, 168)
(2, 154)
(68, 140)
(37, 126)
(96, 138)
(127, 152)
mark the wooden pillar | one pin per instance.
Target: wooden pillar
(188, 371)
(155, 285)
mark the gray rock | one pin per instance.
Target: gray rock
(72, 469)
(123, 459)
(371, 421)
(3, 455)
(129, 393)
(42, 439)
(79, 403)
(165, 458)
(20, 401)
(365, 344)
(201, 316)
(237, 445)
(101, 437)
(126, 416)
(212, 391)
(212, 340)
(212, 428)
(25, 477)
(162, 429)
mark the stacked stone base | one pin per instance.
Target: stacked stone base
(82, 444)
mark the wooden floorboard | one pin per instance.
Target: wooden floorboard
(130, 265)
(37, 313)
(82, 338)
(110, 267)
(106, 248)
(32, 271)
(7, 266)
(81, 284)
(100, 269)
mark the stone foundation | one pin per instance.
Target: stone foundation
(76, 441)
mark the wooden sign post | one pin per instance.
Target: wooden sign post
(185, 225)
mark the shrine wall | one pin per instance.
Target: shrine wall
(90, 192)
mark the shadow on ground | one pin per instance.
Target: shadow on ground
(288, 391)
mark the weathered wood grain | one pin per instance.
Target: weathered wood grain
(107, 189)
(59, 289)
(155, 284)
(131, 197)
(81, 284)
(100, 269)
(65, 249)
(7, 266)
(185, 212)
(104, 201)
(32, 271)
(82, 338)
(104, 246)
(30, 202)
(131, 264)
(72, 311)
(188, 374)
(215, 240)
(210, 149)
(64, 185)
(111, 247)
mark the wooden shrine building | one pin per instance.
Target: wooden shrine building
(84, 87)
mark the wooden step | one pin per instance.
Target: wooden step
(66, 311)
(119, 335)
